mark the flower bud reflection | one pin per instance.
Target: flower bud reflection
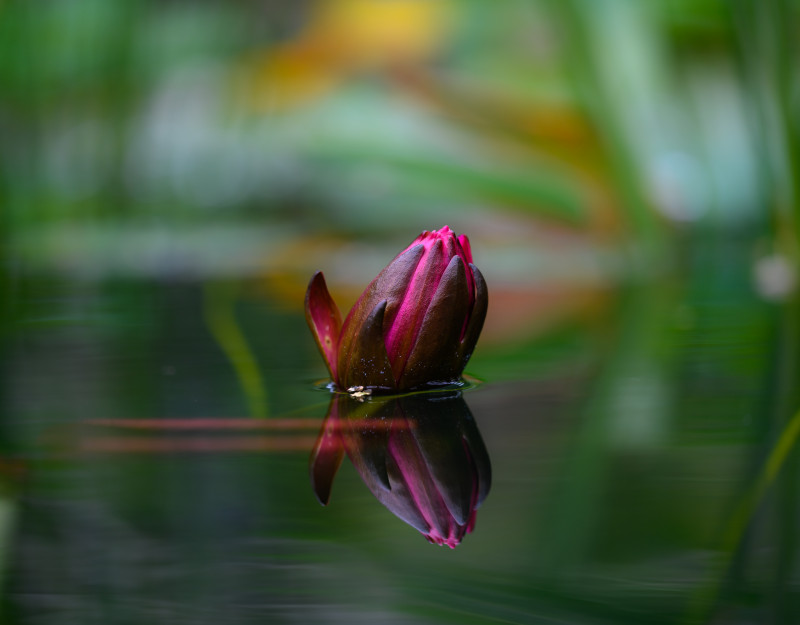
(421, 456)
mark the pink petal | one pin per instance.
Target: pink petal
(405, 319)
(325, 321)
(464, 242)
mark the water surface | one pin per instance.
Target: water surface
(156, 467)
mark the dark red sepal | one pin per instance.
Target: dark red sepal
(324, 320)
(362, 355)
(476, 319)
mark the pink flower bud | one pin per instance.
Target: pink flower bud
(415, 325)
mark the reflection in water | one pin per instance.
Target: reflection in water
(421, 456)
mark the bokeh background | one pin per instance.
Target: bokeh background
(173, 172)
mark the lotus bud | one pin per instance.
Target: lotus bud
(416, 324)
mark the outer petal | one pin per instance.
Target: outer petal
(435, 356)
(463, 240)
(362, 355)
(475, 324)
(324, 319)
(390, 286)
(404, 318)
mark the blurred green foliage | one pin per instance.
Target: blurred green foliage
(615, 112)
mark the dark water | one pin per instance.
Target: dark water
(625, 446)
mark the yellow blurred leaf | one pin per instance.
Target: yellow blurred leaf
(343, 37)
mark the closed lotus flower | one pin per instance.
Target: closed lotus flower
(415, 325)
(421, 455)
